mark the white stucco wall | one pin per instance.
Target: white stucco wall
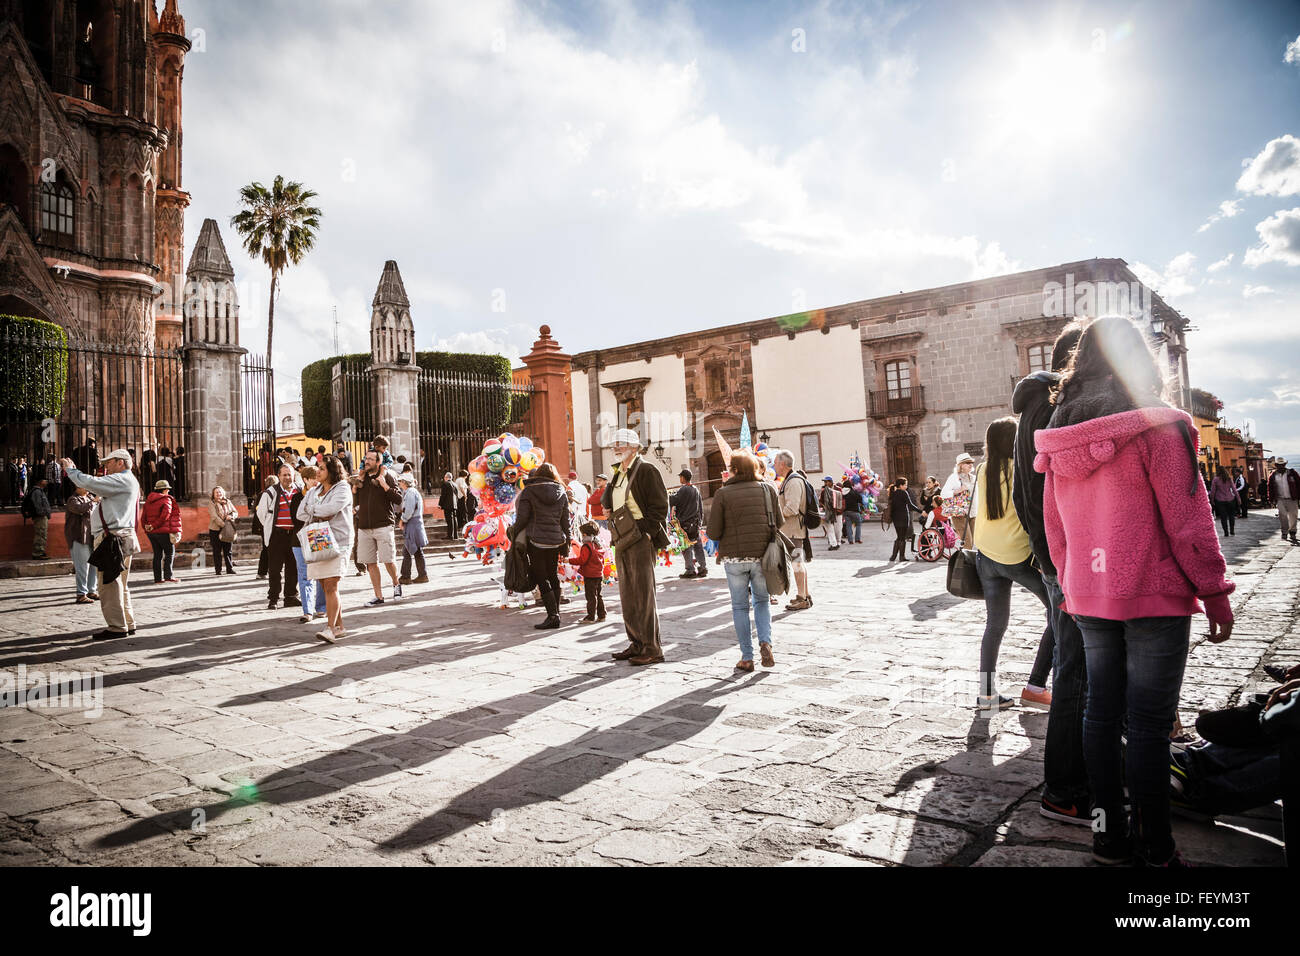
(581, 425)
(812, 383)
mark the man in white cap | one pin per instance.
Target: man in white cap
(1283, 490)
(637, 504)
(119, 494)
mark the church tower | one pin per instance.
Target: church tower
(394, 374)
(169, 48)
(213, 385)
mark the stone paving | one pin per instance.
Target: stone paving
(445, 730)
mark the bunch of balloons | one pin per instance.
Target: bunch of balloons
(497, 475)
(487, 533)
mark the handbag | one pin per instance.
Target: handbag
(776, 557)
(318, 542)
(963, 576)
(175, 537)
(227, 534)
(623, 528)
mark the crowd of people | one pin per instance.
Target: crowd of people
(1089, 496)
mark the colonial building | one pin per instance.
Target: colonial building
(907, 381)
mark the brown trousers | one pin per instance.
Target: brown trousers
(636, 592)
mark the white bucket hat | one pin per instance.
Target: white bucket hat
(624, 436)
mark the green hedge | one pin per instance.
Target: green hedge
(33, 367)
(316, 386)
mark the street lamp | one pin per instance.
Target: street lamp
(765, 438)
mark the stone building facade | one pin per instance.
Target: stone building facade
(90, 167)
(908, 382)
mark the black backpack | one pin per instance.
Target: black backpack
(812, 516)
(28, 509)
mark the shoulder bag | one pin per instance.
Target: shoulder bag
(623, 529)
(776, 557)
(963, 573)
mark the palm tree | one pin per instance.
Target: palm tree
(278, 226)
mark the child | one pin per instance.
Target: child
(591, 562)
(936, 519)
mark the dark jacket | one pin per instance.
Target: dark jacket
(449, 499)
(1032, 402)
(76, 520)
(40, 502)
(378, 506)
(901, 505)
(852, 501)
(686, 501)
(738, 518)
(543, 509)
(1293, 480)
(648, 491)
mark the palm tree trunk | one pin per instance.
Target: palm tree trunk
(270, 365)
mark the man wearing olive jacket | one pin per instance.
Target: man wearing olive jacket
(638, 487)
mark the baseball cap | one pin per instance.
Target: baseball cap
(827, 478)
(118, 453)
(573, 474)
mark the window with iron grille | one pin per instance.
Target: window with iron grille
(898, 379)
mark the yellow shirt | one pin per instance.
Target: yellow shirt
(1003, 540)
(619, 490)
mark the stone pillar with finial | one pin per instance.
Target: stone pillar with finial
(548, 371)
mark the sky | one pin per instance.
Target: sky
(623, 171)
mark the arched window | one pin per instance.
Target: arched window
(57, 220)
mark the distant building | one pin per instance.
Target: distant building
(907, 381)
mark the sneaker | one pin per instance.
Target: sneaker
(107, 635)
(834, 547)
(994, 703)
(397, 592)
(1065, 811)
(272, 604)
(327, 636)
(1041, 699)
(1112, 850)
(374, 602)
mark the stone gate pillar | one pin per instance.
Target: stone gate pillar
(213, 399)
(548, 370)
(394, 376)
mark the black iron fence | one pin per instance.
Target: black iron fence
(258, 432)
(113, 396)
(458, 412)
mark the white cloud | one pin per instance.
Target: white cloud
(1292, 54)
(1275, 171)
(1279, 240)
(1251, 291)
(1175, 280)
(513, 341)
(1221, 264)
(1227, 209)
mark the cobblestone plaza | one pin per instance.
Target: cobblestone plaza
(446, 730)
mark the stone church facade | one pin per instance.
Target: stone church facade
(92, 237)
(908, 381)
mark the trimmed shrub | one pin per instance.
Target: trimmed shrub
(33, 367)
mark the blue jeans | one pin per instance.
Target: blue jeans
(1063, 766)
(1135, 668)
(997, 579)
(852, 527)
(307, 587)
(87, 574)
(743, 580)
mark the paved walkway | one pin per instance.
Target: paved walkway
(447, 730)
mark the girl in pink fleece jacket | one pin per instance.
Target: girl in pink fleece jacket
(1130, 530)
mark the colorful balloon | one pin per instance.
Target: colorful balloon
(525, 444)
(539, 454)
(495, 464)
(528, 461)
(510, 474)
(511, 454)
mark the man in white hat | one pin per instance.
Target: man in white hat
(636, 501)
(1283, 490)
(119, 494)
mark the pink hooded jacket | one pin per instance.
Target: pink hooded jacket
(1128, 521)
